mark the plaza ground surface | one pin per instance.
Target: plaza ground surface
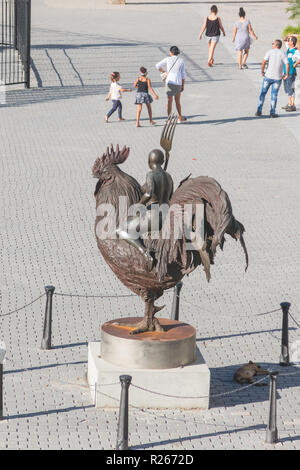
(50, 136)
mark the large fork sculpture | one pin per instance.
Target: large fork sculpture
(167, 137)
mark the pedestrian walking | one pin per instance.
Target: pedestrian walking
(273, 76)
(173, 74)
(289, 83)
(115, 93)
(212, 26)
(143, 85)
(241, 38)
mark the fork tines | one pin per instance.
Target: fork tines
(168, 132)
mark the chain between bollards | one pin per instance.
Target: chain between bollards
(176, 298)
(272, 432)
(284, 356)
(122, 439)
(46, 341)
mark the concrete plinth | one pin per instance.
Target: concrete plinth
(173, 347)
(191, 381)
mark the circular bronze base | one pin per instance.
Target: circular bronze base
(173, 347)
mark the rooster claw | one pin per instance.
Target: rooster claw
(145, 326)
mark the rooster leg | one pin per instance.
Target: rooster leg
(149, 322)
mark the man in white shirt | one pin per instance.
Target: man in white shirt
(273, 76)
(173, 68)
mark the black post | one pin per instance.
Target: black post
(284, 356)
(46, 341)
(272, 432)
(1, 392)
(28, 43)
(122, 439)
(176, 298)
(15, 25)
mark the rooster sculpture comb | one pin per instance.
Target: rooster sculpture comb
(111, 157)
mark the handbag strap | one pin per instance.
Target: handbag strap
(172, 67)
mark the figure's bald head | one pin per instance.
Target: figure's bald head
(156, 158)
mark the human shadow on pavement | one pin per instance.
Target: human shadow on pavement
(157, 118)
(228, 120)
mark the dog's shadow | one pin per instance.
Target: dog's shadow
(226, 392)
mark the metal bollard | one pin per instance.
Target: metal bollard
(272, 432)
(176, 299)
(122, 439)
(46, 341)
(284, 356)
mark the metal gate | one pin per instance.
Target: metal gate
(15, 33)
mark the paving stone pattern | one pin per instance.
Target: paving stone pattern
(51, 135)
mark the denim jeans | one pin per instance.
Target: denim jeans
(267, 82)
(117, 105)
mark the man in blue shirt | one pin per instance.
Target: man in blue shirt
(289, 83)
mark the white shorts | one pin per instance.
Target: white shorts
(213, 38)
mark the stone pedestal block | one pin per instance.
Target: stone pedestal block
(178, 387)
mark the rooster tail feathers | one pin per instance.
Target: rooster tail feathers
(236, 230)
(239, 235)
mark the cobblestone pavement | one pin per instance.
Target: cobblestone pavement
(50, 136)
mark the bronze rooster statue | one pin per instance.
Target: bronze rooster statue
(171, 258)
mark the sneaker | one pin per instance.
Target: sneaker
(245, 66)
(290, 108)
(285, 107)
(274, 115)
(258, 113)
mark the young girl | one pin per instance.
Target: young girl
(143, 85)
(115, 95)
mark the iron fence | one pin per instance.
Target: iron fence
(15, 37)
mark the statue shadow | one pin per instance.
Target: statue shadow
(225, 392)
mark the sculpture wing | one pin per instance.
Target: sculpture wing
(219, 220)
